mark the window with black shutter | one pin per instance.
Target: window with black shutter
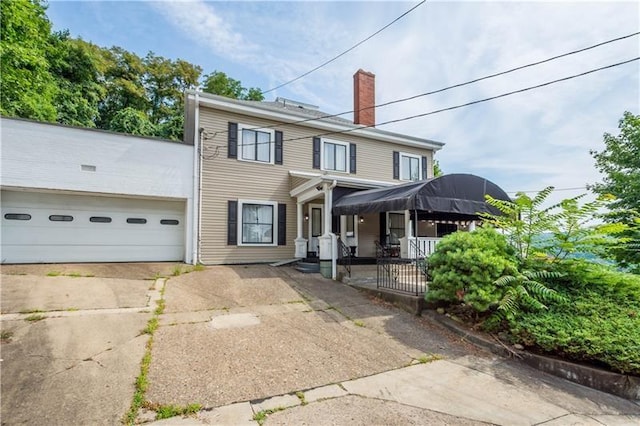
(396, 165)
(352, 158)
(232, 223)
(232, 147)
(282, 224)
(316, 152)
(278, 148)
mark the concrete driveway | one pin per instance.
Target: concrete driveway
(249, 342)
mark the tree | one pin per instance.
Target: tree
(218, 83)
(27, 87)
(437, 171)
(619, 162)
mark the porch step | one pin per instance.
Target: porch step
(284, 262)
(308, 268)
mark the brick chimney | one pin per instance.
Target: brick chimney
(364, 98)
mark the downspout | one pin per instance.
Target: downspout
(197, 164)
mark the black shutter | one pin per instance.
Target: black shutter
(383, 228)
(282, 224)
(424, 168)
(232, 223)
(232, 148)
(278, 159)
(316, 152)
(396, 165)
(352, 158)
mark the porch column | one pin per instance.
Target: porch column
(472, 226)
(405, 252)
(300, 242)
(327, 240)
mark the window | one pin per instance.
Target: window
(137, 220)
(334, 156)
(257, 223)
(410, 167)
(316, 222)
(256, 144)
(350, 226)
(17, 216)
(100, 219)
(396, 227)
(169, 222)
(60, 218)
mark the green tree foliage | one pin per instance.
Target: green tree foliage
(218, 83)
(555, 232)
(27, 87)
(437, 171)
(619, 162)
(465, 266)
(53, 77)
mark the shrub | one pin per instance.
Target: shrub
(598, 322)
(465, 265)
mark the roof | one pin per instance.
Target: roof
(280, 112)
(454, 193)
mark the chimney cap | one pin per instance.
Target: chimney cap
(361, 71)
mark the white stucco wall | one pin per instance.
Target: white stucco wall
(38, 155)
(49, 157)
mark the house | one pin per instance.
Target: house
(251, 182)
(71, 194)
(272, 171)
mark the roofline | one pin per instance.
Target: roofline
(91, 129)
(242, 107)
(347, 181)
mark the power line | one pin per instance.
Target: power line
(526, 89)
(433, 92)
(348, 50)
(475, 102)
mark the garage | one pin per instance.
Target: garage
(41, 227)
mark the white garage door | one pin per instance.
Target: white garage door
(45, 227)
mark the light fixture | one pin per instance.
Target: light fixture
(361, 219)
(306, 217)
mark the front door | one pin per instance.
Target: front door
(315, 229)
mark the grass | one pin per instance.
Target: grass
(142, 381)
(31, 311)
(359, 323)
(35, 318)
(427, 358)
(301, 397)
(261, 416)
(5, 336)
(53, 273)
(168, 411)
(177, 270)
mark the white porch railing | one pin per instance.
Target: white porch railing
(426, 245)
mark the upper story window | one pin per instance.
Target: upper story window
(410, 167)
(335, 155)
(256, 144)
(249, 143)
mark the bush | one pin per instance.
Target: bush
(599, 322)
(465, 265)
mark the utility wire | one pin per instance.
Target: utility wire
(577, 188)
(526, 89)
(433, 92)
(348, 50)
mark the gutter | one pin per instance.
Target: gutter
(197, 181)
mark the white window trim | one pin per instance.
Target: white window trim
(274, 233)
(347, 155)
(419, 157)
(272, 145)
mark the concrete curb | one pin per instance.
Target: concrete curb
(407, 302)
(606, 381)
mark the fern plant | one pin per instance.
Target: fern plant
(525, 291)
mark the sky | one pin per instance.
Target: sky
(523, 142)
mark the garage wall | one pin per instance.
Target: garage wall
(50, 158)
(39, 155)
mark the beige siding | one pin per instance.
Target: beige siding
(226, 179)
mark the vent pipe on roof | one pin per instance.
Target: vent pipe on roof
(364, 98)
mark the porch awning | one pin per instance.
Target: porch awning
(453, 193)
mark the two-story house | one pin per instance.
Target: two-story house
(271, 171)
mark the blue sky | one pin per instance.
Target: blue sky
(523, 142)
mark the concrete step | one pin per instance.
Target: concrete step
(308, 268)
